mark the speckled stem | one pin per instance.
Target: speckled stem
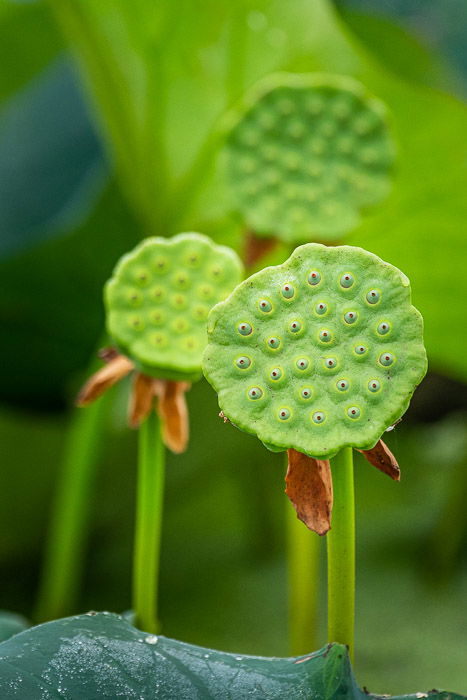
(149, 503)
(341, 553)
(303, 549)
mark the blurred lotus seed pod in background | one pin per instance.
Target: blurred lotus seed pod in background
(159, 297)
(319, 353)
(305, 154)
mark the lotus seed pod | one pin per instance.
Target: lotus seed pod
(305, 153)
(159, 297)
(334, 383)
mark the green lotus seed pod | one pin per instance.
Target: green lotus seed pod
(308, 170)
(310, 393)
(159, 297)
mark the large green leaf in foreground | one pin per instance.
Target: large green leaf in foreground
(100, 655)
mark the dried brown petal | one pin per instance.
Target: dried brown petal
(381, 457)
(309, 487)
(142, 398)
(256, 247)
(173, 413)
(103, 379)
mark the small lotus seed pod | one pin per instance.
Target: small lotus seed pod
(318, 395)
(158, 301)
(329, 155)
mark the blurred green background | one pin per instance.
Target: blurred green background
(108, 124)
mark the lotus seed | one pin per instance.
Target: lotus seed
(314, 278)
(192, 259)
(315, 105)
(383, 328)
(342, 384)
(205, 291)
(180, 325)
(181, 280)
(386, 359)
(325, 336)
(328, 128)
(135, 298)
(244, 329)
(276, 373)
(353, 412)
(274, 343)
(306, 393)
(255, 393)
(318, 417)
(161, 264)
(330, 362)
(296, 129)
(315, 169)
(157, 317)
(373, 296)
(285, 106)
(159, 339)
(288, 291)
(284, 414)
(350, 317)
(321, 308)
(142, 277)
(374, 385)
(265, 305)
(346, 280)
(341, 108)
(318, 146)
(200, 312)
(157, 294)
(302, 363)
(243, 362)
(360, 349)
(295, 326)
(292, 161)
(137, 323)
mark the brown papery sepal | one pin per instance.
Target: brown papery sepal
(173, 412)
(309, 488)
(381, 457)
(116, 368)
(141, 399)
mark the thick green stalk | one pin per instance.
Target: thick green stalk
(149, 503)
(303, 554)
(341, 553)
(65, 545)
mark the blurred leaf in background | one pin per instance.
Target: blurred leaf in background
(92, 161)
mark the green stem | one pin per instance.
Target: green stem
(341, 553)
(303, 550)
(64, 554)
(149, 503)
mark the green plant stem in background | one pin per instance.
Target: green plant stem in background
(64, 554)
(341, 552)
(149, 504)
(303, 555)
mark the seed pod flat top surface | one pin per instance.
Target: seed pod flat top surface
(159, 297)
(319, 353)
(305, 153)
